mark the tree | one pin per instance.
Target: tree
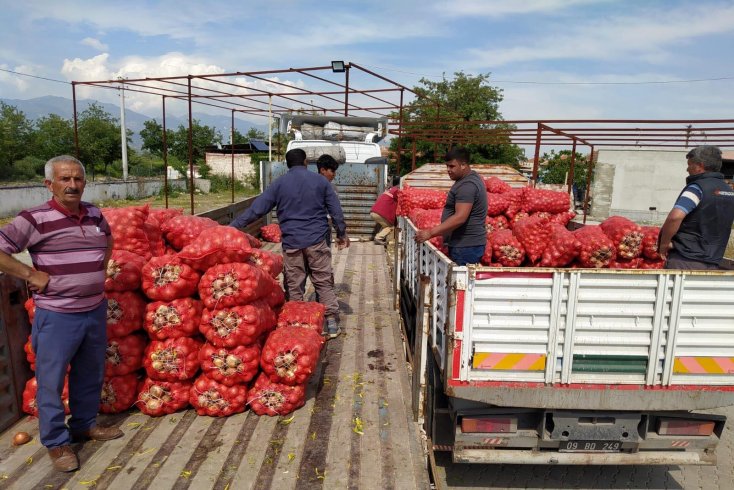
(202, 136)
(558, 168)
(99, 137)
(54, 136)
(16, 135)
(152, 136)
(447, 109)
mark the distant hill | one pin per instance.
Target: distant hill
(63, 107)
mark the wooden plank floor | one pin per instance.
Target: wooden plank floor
(355, 431)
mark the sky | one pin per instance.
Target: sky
(553, 59)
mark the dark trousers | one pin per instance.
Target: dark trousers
(59, 340)
(466, 255)
(313, 262)
(677, 261)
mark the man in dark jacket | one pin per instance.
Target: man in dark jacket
(304, 200)
(464, 215)
(696, 232)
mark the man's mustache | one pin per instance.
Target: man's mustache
(71, 191)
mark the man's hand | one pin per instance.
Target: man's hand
(664, 250)
(38, 281)
(422, 235)
(343, 242)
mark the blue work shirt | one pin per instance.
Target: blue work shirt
(303, 200)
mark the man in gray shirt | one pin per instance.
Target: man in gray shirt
(464, 215)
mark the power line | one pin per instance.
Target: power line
(35, 76)
(533, 82)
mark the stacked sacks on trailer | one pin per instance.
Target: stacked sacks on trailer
(527, 227)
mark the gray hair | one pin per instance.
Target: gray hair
(48, 169)
(709, 156)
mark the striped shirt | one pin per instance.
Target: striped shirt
(689, 198)
(69, 248)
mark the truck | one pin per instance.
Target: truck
(564, 366)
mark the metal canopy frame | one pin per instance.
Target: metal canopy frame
(231, 92)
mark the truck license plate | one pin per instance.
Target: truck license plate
(590, 446)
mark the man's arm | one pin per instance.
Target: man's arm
(461, 214)
(262, 205)
(668, 231)
(37, 281)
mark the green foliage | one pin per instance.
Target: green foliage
(456, 103)
(204, 170)
(255, 159)
(99, 138)
(54, 136)
(222, 183)
(28, 168)
(16, 135)
(558, 168)
(152, 136)
(202, 136)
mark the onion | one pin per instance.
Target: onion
(21, 438)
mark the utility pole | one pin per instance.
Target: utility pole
(123, 132)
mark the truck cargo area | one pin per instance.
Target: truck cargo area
(356, 429)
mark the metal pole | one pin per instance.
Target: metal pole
(123, 132)
(165, 155)
(400, 135)
(571, 168)
(346, 91)
(191, 150)
(270, 128)
(435, 143)
(412, 164)
(76, 129)
(231, 144)
(588, 182)
(536, 159)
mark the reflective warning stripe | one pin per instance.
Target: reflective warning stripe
(703, 365)
(506, 362)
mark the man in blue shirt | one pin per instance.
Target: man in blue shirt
(303, 200)
(696, 232)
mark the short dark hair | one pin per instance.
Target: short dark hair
(295, 157)
(708, 156)
(458, 153)
(328, 162)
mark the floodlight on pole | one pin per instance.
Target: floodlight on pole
(338, 67)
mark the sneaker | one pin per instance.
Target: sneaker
(63, 458)
(332, 330)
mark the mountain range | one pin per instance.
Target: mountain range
(43, 106)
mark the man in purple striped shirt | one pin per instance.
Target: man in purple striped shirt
(70, 243)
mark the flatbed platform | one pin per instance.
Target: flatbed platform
(355, 431)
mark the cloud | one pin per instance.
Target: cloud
(19, 83)
(95, 44)
(502, 8)
(648, 36)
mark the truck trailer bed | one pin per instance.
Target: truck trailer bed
(355, 431)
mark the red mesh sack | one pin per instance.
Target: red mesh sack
(182, 230)
(219, 245)
(515, 197)
(497, 204)
(534, 234)
(410, 199)
(30, 308)
(625, 263)
(230, 366)
(268, 317)
(169, 320)
(625, 234)
(506, 249)
(545, 200)
(232, 284)
(124, 271)
(563, 218)
(157, 398)
(165, 214)
(215, 399)
(30, 406)
(124, 355)
(128, 230)
(254, 242)
(271, 263)
(274, 399)
(152, 228)
(425, 219)
(495, 223)
(519, 216)
(271, 233)
(118, 393)
(125, 313)
(495, 185)
(307, 314)
(562, 247)
(166, 278)
(29, 354)
(646, 263)
(290, 355)
(172, 359)
(276, 297)
(650, 243)
(234, 325)
(597, 250)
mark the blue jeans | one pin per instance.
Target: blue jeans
(466, 255)
(79, 340)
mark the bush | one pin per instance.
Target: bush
(222, 183)
(28, 168)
